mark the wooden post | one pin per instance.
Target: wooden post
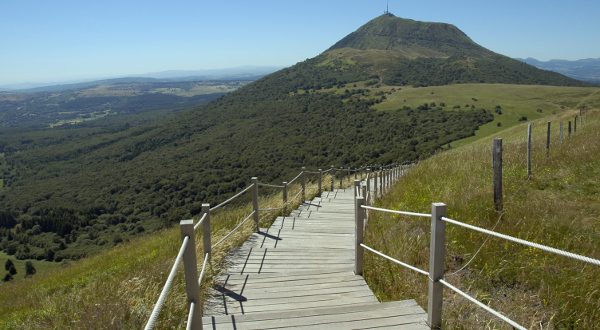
(437, 252)
(359, 216)
(341, 176)
(381, 178)
(192, 288)
(497, 165)
(285, 196)
(368, 187)
(375, 183)
(560, 134)
(206, 244)
(363, 192)
(356, 187)
(575, 125)
(332, 176)
(548, 140)
(320, 185)
(255, 201)
(569, 130)
(529, 151)
(303, 182)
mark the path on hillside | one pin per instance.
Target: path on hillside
(299, 274)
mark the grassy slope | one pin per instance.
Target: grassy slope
(559, 206)
(515, 100)
(117, 288)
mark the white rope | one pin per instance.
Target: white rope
(484, 306)
(271, 209)
(203, 269)
(526, 243)
(232, 197)
(296, 178)
(327, 171)
(233, 230)
(190, 316)
(270, 185)
(397, 212)
(313, 172)
(395, 261)
(200, 221)
(165, 291)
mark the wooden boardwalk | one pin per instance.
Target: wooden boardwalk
(299, 274)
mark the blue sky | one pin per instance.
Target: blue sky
(58, 40)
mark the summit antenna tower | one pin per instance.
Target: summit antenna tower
(387, 7)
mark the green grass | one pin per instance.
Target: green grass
(41, 267)
(117, 288)
(516, 101)
(559, 207)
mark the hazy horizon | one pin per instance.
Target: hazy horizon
(66, 40)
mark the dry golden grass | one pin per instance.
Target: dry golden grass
(559, 207)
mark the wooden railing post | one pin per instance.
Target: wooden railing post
(320, 184)
(575, 125)
(332, 177)
(497, 165)
(206, 243)
(529, 151)
(255, 202)
(303, 181)
(368, 186)
(359, 216)
(191, 271)
(381, 178)
(437, 251)
(375, 183)
(569, 130)
(341, 176)
(548, 140)
(285, 196)
(356, 186)
(560, 134)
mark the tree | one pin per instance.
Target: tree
(29, 269)
(10, 267)
(7, 277)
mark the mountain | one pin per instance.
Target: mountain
(90, 186)
(585, 69)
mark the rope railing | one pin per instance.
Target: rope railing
(418, 270)
(296, 178)
(414, 214)
(270, 185)
(233, 230)
(197, 225)
(482, 305)
(524, 242)
(203, 269)
(231, 198)
(190, 316)
(167, 287)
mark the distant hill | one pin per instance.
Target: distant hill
(585, 69)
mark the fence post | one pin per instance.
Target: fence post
(320, 184)
(359, 216)
(497, 165)
(437, 252)
(285, 196)
(255, 201)
(375, 183)
(381, 178)
(548, 140)
(341, 176)
(575, 125)
(303, 182)
(529, 150)
(206, 244)
(332, 177)
(191, 271)
(356, 186)
(560, 135)
(368, 186)
(569, 129)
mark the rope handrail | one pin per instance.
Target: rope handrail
(424, 215)
(233, 230)
(296, 178)
(200, 221)
(298, 194)
(190, 316)
(202, 269)
(231, 198)
(524, 242)
(270, 209)
(165, 291)
(270, 185)
(418, 270)
(329, 170)
(482, 305)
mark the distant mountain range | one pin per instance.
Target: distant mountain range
(585, 69)
(235, 73)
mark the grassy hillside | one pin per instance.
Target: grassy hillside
(117, 288)
(558, 207)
